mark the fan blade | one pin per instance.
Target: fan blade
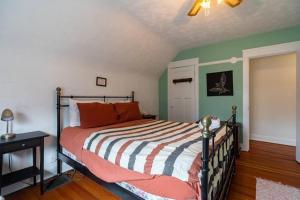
(195, 9)
(233, 3)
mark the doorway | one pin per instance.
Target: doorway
(278, 49)
(273, 99)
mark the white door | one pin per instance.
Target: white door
(183, 91)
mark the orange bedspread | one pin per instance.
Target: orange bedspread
(73, 139)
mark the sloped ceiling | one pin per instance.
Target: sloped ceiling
(169, 19)
(137, 36)
(94, 31)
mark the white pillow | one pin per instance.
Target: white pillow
(74, 115)
(215, 123)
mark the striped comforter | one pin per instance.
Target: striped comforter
(153, 148)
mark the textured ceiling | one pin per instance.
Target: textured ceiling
(95, 32)
(169, 19)
(137, 36)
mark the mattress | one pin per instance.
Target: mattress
(147, 186)
(137, 191)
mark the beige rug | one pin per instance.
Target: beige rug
(269, 190)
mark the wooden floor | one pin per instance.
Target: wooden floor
(265, 160)
(81, 188)
(269, 161)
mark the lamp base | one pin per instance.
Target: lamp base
(8, 136)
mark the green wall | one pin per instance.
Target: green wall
(221, 106)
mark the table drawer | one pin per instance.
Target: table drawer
(20, 145)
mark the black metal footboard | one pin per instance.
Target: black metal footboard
(218, 159)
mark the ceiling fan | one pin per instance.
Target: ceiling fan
(206, 4)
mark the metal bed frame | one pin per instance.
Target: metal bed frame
(208, 153)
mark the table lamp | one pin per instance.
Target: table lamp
(7, 116)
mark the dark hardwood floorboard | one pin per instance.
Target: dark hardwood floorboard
(81, 188)
(269, 161)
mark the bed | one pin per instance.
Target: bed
(150, 159)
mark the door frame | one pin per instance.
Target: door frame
(273, 50)
(183, 63)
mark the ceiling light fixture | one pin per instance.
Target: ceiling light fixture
(206, 5)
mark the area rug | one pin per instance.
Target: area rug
(269, 190)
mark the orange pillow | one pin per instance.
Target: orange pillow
(96, 114)
(128, 111)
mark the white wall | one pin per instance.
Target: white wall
(67, 43)
(273, 99)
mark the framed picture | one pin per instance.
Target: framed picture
(100, 81)
(220, 84)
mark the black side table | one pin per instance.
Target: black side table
(23, 141)
(149, 116)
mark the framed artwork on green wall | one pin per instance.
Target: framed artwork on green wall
(220, 84)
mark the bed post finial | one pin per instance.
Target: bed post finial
(206, 122)
(58, 91)
(234, 108)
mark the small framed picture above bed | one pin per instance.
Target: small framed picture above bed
(100, 81)
(220, 83)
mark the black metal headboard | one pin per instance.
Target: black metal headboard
(59, 97)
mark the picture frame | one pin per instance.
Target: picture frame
(220, 83)
(101, 81)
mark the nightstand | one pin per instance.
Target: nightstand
(23, 141)
(149, 116)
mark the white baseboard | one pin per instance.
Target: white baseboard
(243, 147)
(271, 139)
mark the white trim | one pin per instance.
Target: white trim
(248, 54)
(232, 60)
(182, 63)
(192, 61)
(277, 140)
(197, 85)
(298, 106)
(272, 50)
